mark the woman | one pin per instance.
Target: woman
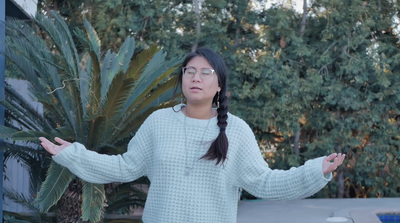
(196, 157)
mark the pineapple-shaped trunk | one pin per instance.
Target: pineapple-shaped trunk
(70, 204)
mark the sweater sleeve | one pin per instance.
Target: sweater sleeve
(255, 176)
(100, 168)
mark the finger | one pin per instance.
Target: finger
(60, 141)
(48, 147)
(337, 158)
(340, 159)
(332, 167)
(331, 157)
(336, 162)
(44, 140)
(343, 157)
(46, 143)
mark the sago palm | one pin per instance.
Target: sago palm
(98, 100)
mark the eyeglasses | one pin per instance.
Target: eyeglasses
(205, 73)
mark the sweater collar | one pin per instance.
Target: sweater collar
(177, 109)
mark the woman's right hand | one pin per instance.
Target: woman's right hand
(53, 148)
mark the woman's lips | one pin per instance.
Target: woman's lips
(195, 89)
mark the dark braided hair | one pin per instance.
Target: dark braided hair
(219, 148)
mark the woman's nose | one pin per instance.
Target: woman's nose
(196, 77)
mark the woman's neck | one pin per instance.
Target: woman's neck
(199, 112)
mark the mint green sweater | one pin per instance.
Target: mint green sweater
(184, 188)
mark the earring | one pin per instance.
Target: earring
(218, 99)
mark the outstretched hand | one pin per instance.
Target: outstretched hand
(53, 148)
(331, 162)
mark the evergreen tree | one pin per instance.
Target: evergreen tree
(333, 89)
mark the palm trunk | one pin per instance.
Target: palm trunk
(70, 204)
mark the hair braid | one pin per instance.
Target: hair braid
(219, 148)
(222, 111)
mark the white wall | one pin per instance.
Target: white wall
(17, 174)
(29, 6)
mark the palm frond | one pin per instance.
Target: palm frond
(94, 41)
(94, 101)
(19, 52)
(150, 79)
(128, 195)
(131, 109)
(6, 132)
(140, 61)
(69, 44)
(57, 180)
(34, 158)
(20, 199)
(96, 128)
(138, 120)
(24, 109)
(60, 35)
(25, 121)
(57, 30)
(84, 86)
(28, 135)
(21, 152)
(131, 116)
(118, 93)
(115, 63)
(93, 201)
(90, 93)
(26, 115)
(41, 67)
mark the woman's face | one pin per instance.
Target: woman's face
(199, 82)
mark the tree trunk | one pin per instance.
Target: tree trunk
(69, 205)
(303, 20)
(237, 33)
(297, 142)
(341, 183)
(196, 4)
(340, 178)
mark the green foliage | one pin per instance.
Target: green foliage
(335, 85)
(53, 187)
(93, 204)
(98, 100)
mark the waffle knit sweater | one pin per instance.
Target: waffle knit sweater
(168, 144)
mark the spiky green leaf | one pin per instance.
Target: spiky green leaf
(6, 132)
(93, 201)
(57, 180)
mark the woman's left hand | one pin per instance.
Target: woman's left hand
(329, 166)
(53, 148)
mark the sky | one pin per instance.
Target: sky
(297, 4)
(30, 5)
